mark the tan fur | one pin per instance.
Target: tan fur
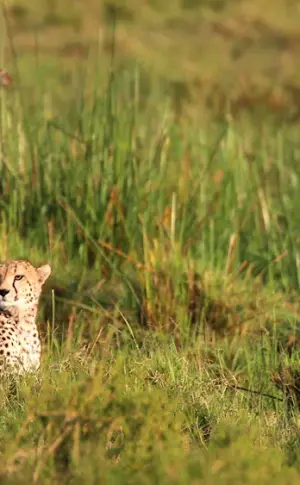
(20, 289)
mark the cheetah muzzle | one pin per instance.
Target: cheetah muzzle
(20, 289)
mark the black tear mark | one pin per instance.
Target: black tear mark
(16, 297)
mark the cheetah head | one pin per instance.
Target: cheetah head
(21, 284)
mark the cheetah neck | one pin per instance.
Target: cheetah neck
(25, 317)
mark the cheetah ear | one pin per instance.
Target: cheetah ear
(44, 272)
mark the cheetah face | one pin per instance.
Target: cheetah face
(21, 284)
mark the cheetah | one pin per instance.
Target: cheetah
(20, 289)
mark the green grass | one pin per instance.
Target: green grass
(175, 256)
(208, 54)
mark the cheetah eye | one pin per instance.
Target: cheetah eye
(19, 277)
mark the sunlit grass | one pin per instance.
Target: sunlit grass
(175, 256)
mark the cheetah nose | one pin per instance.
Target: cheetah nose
(3, 293)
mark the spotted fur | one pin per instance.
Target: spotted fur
(20, 289)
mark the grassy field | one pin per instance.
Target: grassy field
(208, 54)
(170, 325)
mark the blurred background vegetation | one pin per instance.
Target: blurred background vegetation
(209, 55)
